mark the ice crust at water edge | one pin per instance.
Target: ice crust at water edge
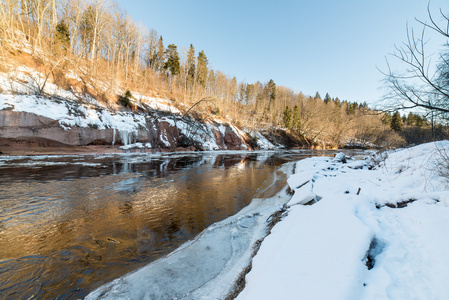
(205, 268)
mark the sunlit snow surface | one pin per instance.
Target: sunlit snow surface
(320, 251)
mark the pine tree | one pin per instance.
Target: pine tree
(386, 119)
(172, 63)
(396, 122)
(287, 117)
(337, 102)
(296, 121)
(351, 107)
(271, 91)
(63, 34)
(419, 121)
(87, 29)
(159, 55)
(411, 119)
(201, 68)
(317, 96)
(190, 66)
(327, 98)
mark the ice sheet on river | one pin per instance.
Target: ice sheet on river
(208, 266)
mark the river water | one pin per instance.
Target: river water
(69, 224)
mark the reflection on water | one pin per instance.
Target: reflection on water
(70, 224)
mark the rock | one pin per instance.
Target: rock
(23, 128)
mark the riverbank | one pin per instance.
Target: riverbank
(372, 229)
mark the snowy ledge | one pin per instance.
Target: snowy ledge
(376, 229)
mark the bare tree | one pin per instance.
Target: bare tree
(424, 83)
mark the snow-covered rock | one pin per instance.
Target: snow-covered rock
(64, 122)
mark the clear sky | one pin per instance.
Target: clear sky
(327, 46)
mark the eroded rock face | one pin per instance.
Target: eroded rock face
(28, 126)
(32, 129)
(232, 140)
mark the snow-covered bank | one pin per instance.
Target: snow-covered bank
(378, 230)
(35, 111)
(69, 122)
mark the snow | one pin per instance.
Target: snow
(127, 124)
(376, 229)
(321, 251)
(156, 103)
(262, 142)
(206, 267)
(19, 89)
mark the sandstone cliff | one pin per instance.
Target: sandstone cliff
(34, 123)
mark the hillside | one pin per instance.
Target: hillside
(79, 74)
(30, 121)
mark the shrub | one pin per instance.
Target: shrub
(125, 100)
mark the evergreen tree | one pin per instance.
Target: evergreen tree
(190, 67)
(411, 119)
(419, 121)
(317, 96)
(63, 34)
(172, 63)
(87, 28)
(201, 67)
(351, 107)
(327, 98)
(271, 87)
(337, 102)
(125, 100)
(157, 56)
(287, 117)
(296, 121)
(396, 122)
(386, 119)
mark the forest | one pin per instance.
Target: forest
(116, 57)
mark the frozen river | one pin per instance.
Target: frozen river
(69, 224)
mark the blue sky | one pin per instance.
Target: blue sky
(327, 46)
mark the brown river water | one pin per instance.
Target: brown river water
(69, 224)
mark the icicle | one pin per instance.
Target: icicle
(124, 134)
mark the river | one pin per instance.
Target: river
(69, 224)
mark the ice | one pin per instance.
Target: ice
(205, 268)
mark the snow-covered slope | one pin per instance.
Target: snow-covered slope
(378, 231)
(155, 123)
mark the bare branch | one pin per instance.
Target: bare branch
(420, 85)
